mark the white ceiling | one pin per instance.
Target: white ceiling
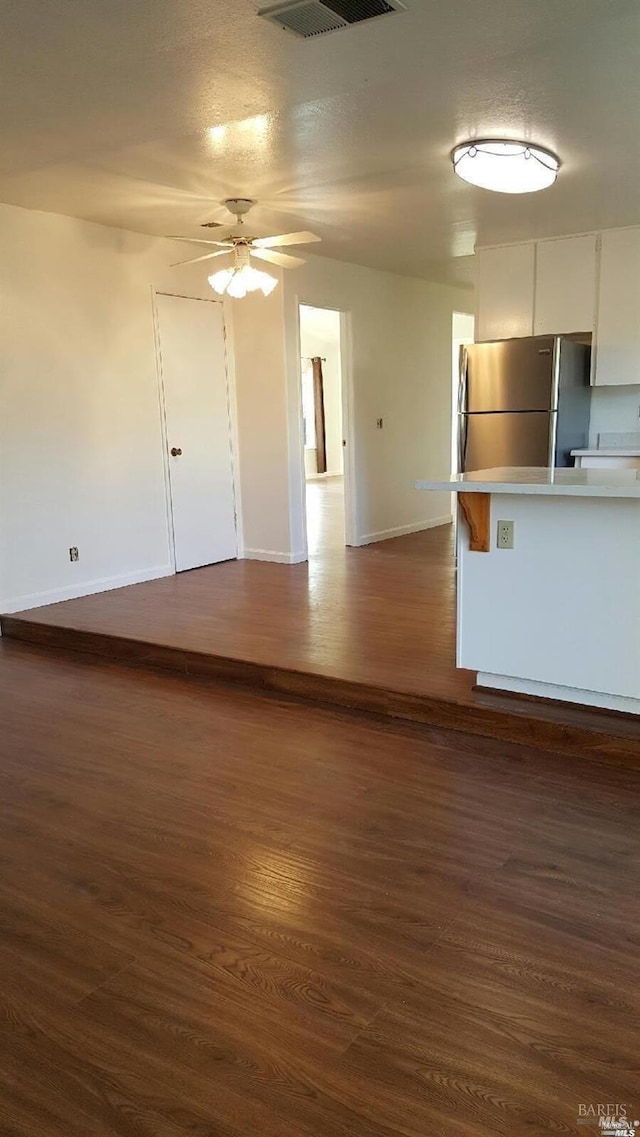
(108, 110)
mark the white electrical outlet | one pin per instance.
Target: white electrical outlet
(505, 535)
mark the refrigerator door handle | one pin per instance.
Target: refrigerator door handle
(462, 381)
(463, 431)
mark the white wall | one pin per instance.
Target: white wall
(262, 410)
(400, 362)
(81, 449)
(320, 335)
(614, 409)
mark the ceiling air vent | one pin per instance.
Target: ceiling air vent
(317, 17)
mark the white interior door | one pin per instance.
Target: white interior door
(198, 436)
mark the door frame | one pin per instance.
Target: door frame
(229, 370)
(346, 393)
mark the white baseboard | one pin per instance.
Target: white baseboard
(88, 588)
(599, 699)
(270, 555)
(402, 530)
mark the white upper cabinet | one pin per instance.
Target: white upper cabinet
(618, 324)
(574, 284)
(504, 286)
(565, 298)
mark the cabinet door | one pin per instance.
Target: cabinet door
(505, 292)
(565, 286)
(618, 324)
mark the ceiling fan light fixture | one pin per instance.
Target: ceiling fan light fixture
(237, 282)
(220, 280)
(505, 166)
(242, 277)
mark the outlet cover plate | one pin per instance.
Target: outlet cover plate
(505, 535)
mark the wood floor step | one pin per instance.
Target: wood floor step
(541, 723)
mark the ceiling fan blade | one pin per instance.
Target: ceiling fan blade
(199, 241)
(206, 257)
(304, 238)
(282, 259)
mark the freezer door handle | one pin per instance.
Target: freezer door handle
(463, 422)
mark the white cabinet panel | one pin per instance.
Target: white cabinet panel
(618, 324)
(565, 286)
(563, 606)
(505, 292)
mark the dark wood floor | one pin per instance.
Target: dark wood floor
(228, 915)
(382, 615)
(371, 628)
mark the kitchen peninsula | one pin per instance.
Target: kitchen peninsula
(557, 615)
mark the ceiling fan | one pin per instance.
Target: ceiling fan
(243, 277)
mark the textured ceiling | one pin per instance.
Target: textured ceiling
(146, 114)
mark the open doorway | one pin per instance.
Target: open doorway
(322, 412)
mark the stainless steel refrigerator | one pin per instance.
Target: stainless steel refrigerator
(523, 402)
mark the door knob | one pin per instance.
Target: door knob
(175, 451)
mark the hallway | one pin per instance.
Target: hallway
(325, 515)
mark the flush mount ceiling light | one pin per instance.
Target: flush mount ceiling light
(505, 166)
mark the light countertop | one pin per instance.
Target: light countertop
(541, 480)
(608, 452)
